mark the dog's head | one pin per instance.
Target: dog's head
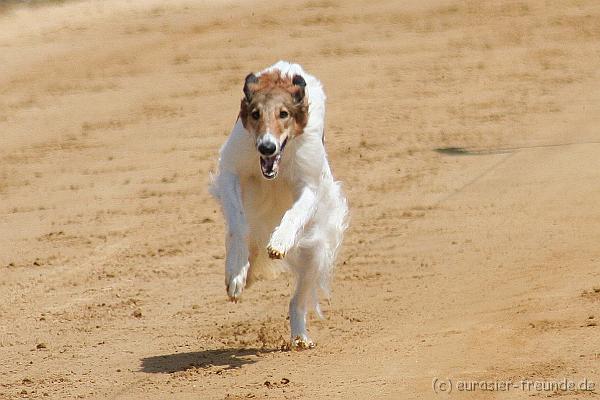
(275, 110)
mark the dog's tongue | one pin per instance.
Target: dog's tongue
(269, 166)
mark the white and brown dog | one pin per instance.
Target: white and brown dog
(280, 201)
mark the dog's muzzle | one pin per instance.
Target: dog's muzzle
(270, 154)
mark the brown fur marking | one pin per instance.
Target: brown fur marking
(271, 95)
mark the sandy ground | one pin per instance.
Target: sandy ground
(479, 262)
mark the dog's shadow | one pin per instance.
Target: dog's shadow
(225, 358)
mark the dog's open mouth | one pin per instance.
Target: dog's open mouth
(269, 165)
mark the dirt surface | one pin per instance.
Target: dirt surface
(476, 261)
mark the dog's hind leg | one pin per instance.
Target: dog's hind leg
(306, 262)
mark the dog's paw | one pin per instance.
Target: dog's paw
(235, 284)
(280, 243)
(274, 253)
(302, 342)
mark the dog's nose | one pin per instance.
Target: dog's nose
(267, 148)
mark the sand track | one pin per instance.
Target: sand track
(476, 261)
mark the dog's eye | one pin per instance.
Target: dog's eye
(283, 114)
(255, 114)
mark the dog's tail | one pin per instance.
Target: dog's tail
(329, 236)
(337, 223)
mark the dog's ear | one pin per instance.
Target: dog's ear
(300, 84)
(251, 79)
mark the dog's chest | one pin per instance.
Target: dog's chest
(266, 201)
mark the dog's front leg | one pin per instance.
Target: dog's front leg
(236, 259)
(285, 235)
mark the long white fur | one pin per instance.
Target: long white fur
(301, 213)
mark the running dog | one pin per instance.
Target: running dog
(281, 204)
